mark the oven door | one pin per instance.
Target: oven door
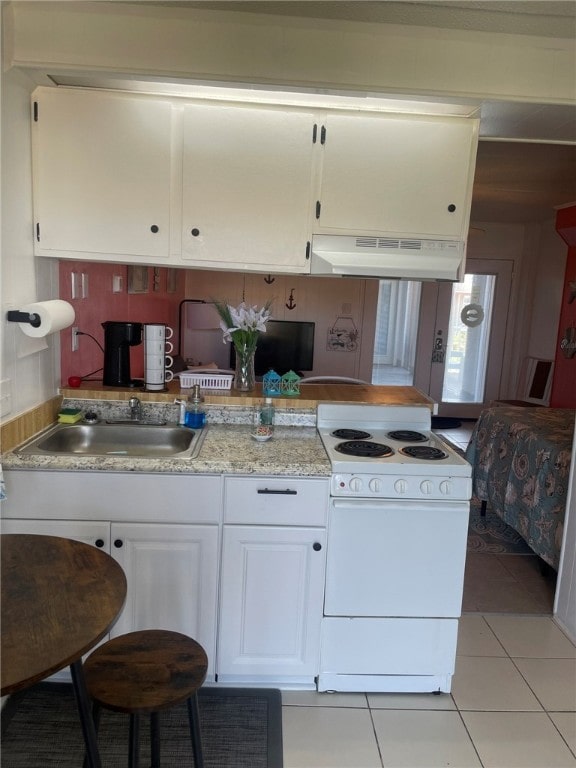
(395, 558)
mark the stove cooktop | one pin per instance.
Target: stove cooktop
(394, 440)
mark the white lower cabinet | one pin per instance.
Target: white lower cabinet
(272, 581)
(171, 567)
(171, 572)
(256, 607)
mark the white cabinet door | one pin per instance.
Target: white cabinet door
(397, 175)
(247, 188)
(272, 586)
(102, 175)
(172, 574)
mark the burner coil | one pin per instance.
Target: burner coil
(364, 449)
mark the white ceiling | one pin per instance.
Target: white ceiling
(526, 162)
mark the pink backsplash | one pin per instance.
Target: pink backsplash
(102, 304)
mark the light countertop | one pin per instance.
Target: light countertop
(227, 449)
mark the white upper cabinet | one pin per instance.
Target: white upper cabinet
(136, 178)
(247, 187)
(396, 175)
(102, 175)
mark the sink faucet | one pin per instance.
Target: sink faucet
(135, 409)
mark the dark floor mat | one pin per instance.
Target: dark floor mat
(241, 728)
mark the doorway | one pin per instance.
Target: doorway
(462, 331)
(446, 339)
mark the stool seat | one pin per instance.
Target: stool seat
(146, 672)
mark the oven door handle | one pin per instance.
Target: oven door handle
(285, 492)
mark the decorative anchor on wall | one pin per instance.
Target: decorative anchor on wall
(269, 279)
(291, 304)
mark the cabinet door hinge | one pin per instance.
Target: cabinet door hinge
(318, 208)
(35, 111)
(308, 250)
(314, 133)
(323, 135)
(37, 231)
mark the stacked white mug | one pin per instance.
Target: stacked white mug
(157, 356)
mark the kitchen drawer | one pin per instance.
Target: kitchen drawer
(124, 497)
(388, 646)
(275, 501)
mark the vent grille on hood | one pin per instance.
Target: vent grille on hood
(387, 257)
(388, 242)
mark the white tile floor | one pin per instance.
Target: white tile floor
(513, 705)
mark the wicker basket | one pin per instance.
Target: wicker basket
(206, 380)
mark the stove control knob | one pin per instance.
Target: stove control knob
(375, 485)
(355, 484)
(426, 487)
(400, 486)
(446, 487)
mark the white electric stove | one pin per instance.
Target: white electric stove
(396, 550)
(390, 452)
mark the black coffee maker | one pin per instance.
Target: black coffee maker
(118, 338)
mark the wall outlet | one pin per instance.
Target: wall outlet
(75, 338)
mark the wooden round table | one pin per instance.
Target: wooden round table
(59, 598)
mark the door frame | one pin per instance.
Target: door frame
(434, 314)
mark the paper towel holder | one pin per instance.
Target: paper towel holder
(16, 316)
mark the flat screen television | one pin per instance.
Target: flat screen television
(287, 345)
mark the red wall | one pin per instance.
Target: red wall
(102, 304)
(564, 382)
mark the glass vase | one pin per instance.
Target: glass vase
(245, 378)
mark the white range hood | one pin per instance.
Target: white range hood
(388, 258)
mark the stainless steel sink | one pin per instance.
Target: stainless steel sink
(143, 440)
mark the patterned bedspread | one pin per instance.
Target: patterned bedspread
(520, 458)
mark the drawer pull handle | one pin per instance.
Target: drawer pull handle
(287, 492)
(99, 543)
(316, 546)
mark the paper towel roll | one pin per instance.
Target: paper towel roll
(54, 316)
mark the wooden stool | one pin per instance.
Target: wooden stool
(143, 673)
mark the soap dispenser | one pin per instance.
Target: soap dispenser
(195, 416)
(264, 420)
